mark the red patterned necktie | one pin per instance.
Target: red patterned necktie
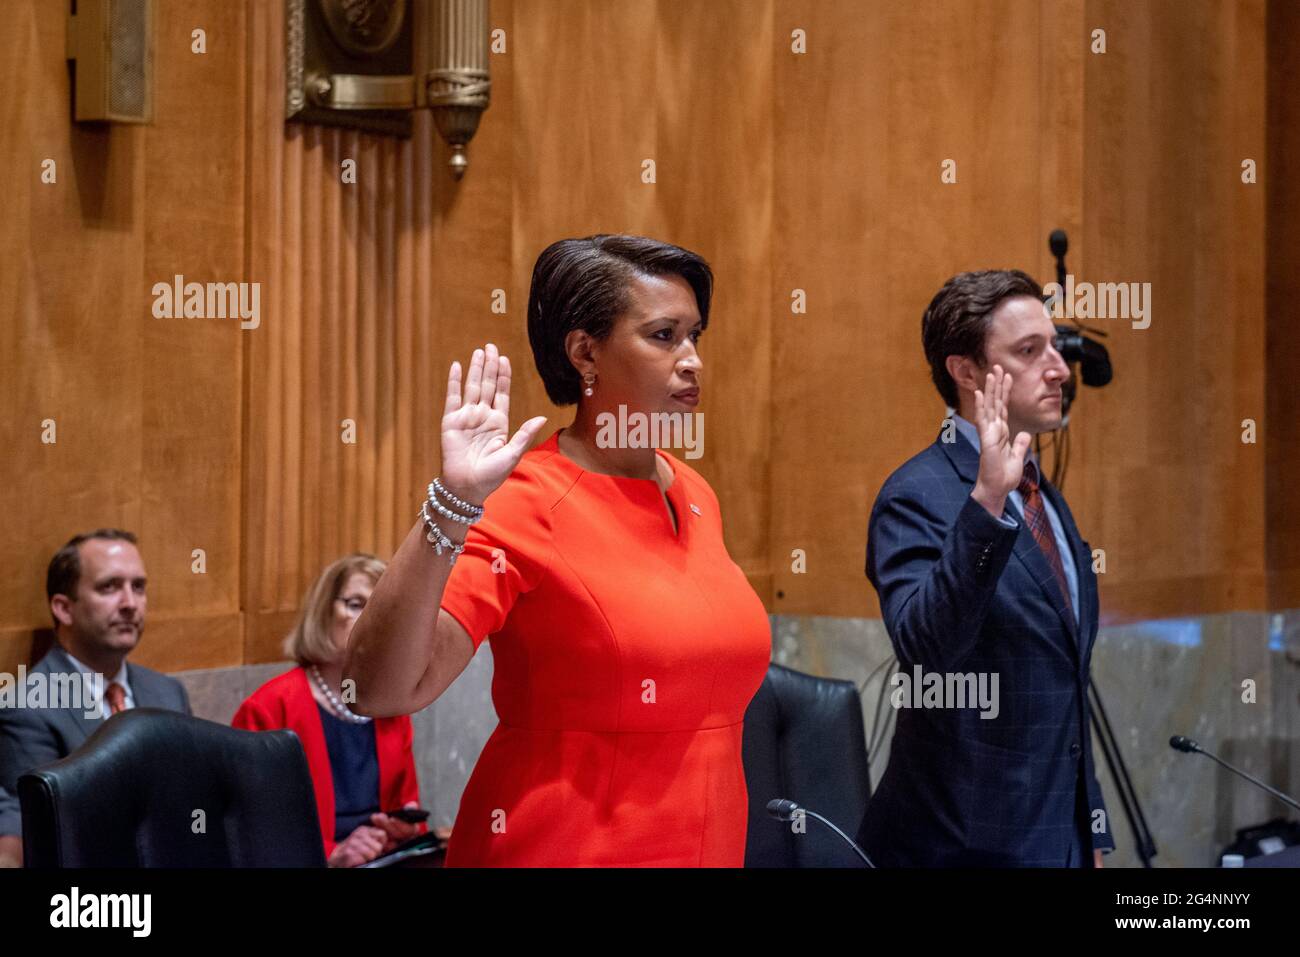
(1041, 528)
(115, 695)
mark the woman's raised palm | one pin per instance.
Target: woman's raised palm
(478, 452)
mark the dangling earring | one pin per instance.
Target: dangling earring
(589, 379)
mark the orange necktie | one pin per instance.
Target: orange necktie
(115, 695)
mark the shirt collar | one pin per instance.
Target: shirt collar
(85, 669)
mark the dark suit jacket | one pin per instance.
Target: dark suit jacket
(33, 737)
(962, 593)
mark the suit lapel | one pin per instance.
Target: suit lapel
(1035, 562)
(78, 727)
(141, 688)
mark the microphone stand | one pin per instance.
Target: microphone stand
(1058, 243)
(1143, 841)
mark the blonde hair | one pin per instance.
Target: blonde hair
(311, 642)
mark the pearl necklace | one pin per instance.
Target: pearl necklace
(339, 707)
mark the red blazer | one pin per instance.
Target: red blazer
(287, 702)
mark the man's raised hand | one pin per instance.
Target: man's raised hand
(1002, 459)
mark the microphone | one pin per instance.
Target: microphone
(1180, 743)
(785, 810)
(1059, 243)
(1091, 355)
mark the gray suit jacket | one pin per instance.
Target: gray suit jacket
(34, 737)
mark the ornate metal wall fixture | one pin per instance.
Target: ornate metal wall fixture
(351, 63)
(457, 88)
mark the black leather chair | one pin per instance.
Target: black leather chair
(804, 741)
(129, 797)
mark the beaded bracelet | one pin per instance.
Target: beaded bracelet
(440, 489)
(448, 513)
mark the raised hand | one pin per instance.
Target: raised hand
(478, 452)
(1002, 459)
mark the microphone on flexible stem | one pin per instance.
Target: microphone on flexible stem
(1059, 243)
(785, 810)
(1180, 743)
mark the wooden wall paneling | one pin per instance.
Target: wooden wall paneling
(402, 433)
(581, 133)
(332, 510)
(465, 249)
(365, 321)
(816, 171)
(829, 397)
(286, 509)
(263, 496)
(147, 409)
(75, 349)
(191, 390)
(713, 124)
(348, 478)
(352, 265)
(313, 498)
(881, 99)
(1171, 107)
(1280, 180)
(387, 394)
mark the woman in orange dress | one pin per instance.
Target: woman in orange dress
(626, 642)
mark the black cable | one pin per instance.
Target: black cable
(880, 729)
(889, 723)
(877, 731)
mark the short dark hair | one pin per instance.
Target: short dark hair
(956, 323)
(583, 284)
(64, 573)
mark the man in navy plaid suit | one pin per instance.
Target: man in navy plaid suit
(983, 577)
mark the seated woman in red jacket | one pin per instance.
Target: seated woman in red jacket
(359, 766)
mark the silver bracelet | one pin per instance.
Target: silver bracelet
(438, 538)
(436, 486)
(448, 513)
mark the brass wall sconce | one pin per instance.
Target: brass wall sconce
(368, 63)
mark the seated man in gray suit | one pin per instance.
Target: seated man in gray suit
(96, 589)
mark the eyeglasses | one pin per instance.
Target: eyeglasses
(354, 605)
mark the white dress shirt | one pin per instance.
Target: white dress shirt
(88, 676)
